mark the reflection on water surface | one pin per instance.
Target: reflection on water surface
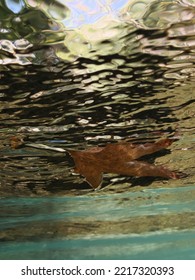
(111, 73)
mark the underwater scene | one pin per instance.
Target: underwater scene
(97, 129)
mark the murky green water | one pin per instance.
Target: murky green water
(74, 77)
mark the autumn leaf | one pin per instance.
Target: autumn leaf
(116, 158)
(119, 158)
(16, 142)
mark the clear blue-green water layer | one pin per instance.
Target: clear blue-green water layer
(144, 224)
(74, 76)
(175, 245)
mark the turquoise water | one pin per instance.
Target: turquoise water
(175, 245)
(145, 224)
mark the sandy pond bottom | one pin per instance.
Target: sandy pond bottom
(142, 224)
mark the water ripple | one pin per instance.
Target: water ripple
(81, 82)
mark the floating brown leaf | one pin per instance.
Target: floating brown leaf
(16, 142)
(119, 158)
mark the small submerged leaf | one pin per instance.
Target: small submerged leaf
(120, 158)
(16, 142)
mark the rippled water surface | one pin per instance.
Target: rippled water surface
(84, 75)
